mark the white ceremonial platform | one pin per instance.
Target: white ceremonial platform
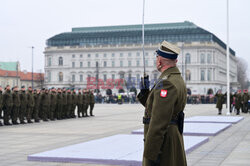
(199, 129)
(115, 150)
(214, 119)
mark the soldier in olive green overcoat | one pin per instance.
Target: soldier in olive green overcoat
(245, 98)
(87, 100)
(59, 104)
(238, 101)
(7, 105)
(74, 103)
(220, 101)
(79, 103)
(84, 101)
(91, 102)
(1, 104)
(45, 103)
(53, 99)
(69, 103)
(164, 104)
(65, 104)
(37, 99)
(30, 105)
(23, 106)
(16, 105)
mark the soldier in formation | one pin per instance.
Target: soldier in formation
(220, 101)
(28, 106)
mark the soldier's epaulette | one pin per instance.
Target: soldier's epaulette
(165, 77)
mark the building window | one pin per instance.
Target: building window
(113, 63)
(104, 64)
(138, 78)
(209, 58)
(73, 56)
(202, 75)
(209, 75)
(60, 76)
(113, 76)
(104, 55)
(121, 63)
(80, 55)
(105, 77)
(81, 65)
(113, 54)
(73, 64)
(129, 63)
(202, 60)
(146, 62)
(137, 63)
(188, 58)
(60, 61)
(96, 64)
(146, 53)
(129, 54)
(154, 62)
(89, 55)
(73, 78)
(137, 54)
(49, 76)
(121, 54)
(96, 55)
(88, 64)
(188, 75)
(121, 75)
(49, 61)
(89, 75)
(81, 78)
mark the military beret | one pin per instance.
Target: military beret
(79, 88)
(23, 86)
(43, 89)
(168, 50)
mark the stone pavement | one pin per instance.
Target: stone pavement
(229, 148)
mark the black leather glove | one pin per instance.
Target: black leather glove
(144, 85)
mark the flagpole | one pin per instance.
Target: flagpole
(228, 75)
(144, 70)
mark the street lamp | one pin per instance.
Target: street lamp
(228, 75)
(32, 54)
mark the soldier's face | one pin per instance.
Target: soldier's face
(8, 87)
(158, 63)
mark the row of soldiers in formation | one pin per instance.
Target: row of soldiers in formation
(43, 104)
(238, 101)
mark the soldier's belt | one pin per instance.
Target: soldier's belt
(147, 121)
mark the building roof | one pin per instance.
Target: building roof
(10, 66)
(132, 34)
(24, 76)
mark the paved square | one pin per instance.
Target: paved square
(214, 119)
(198, 129)
(17, 142)
(118, 150)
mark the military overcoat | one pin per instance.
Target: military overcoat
(163, 141)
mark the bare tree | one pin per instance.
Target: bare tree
(241, 72)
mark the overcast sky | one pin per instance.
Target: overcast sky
(26, 23)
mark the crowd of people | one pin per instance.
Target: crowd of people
(238, 101)
(32, 105)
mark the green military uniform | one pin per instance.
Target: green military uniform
(163, 141)
(91, 103)
(45, 103)
(79, 104)
(238, 102)
(7, 106)
(23, 106)
(1, 105)
(87, 103)
(74, 103)
(65, 105)
(30, 105)
(16, 106)
(84, 106)
(220, 101)
(53, 98)
(245, 99)
(59, 105)
(37, 106)
(69, 104)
